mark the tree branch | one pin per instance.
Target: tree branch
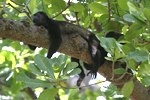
(38, 36)
(73, 45)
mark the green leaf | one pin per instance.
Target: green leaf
(69, 67)
(134, 31)
(75, 71)
(92, 95)
(109, 58)
(120, 71)
(48, 94)
(33, 83)
(133, 19)
(32, 5)
(131, 6)
(58, 5)
(146, 13)
(127, 48)
(123, 4)
(47, 1)
(138, 55)
(97, 7)
(108, 44)
(44, 64)
(127, 88)
(144, 70)
(35, 69)
(118, 54)
(60, 60)
(15, 87)
(76, 7)
(16, 45)
(146, 80)
(138, 16)
(131, 63)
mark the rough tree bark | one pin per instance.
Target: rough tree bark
(72, 45)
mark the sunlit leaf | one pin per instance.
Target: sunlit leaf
(138, 55)
(120, 71)
(76, 7)
(147, 14)
(127, 88)
(144, 70)
(33, 83)
(69, 67)
(48, 94)
(97, 7)
(123, 4)
(44, 64)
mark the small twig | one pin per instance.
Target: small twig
(112, 71)
(3, 10)
(3, 4)
(17, 3)
(71, 21)
(108, 12)
(14, 8)
(139, 63)
(23, 11)
(146, 44)
(81, 86)
(22, 5)
(103, 29)
(121, 75)
(76, 17)
(90, 20)
(96, 25)
(139, 4)
(27, 4)
(118, 15)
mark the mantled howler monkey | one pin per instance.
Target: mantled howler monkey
(56, 28)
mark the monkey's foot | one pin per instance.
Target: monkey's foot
(93, 73)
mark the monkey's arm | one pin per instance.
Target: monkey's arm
(55, 44)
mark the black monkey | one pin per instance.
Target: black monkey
(56, 28)
(41, 19)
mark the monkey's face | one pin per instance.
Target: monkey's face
(39, 18)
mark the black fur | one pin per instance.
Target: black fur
(41, 19)
(56, 28)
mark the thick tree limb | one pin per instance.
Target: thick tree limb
(73, 45)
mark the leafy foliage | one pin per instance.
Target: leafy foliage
(21, 68)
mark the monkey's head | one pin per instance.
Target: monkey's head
(40, 18)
